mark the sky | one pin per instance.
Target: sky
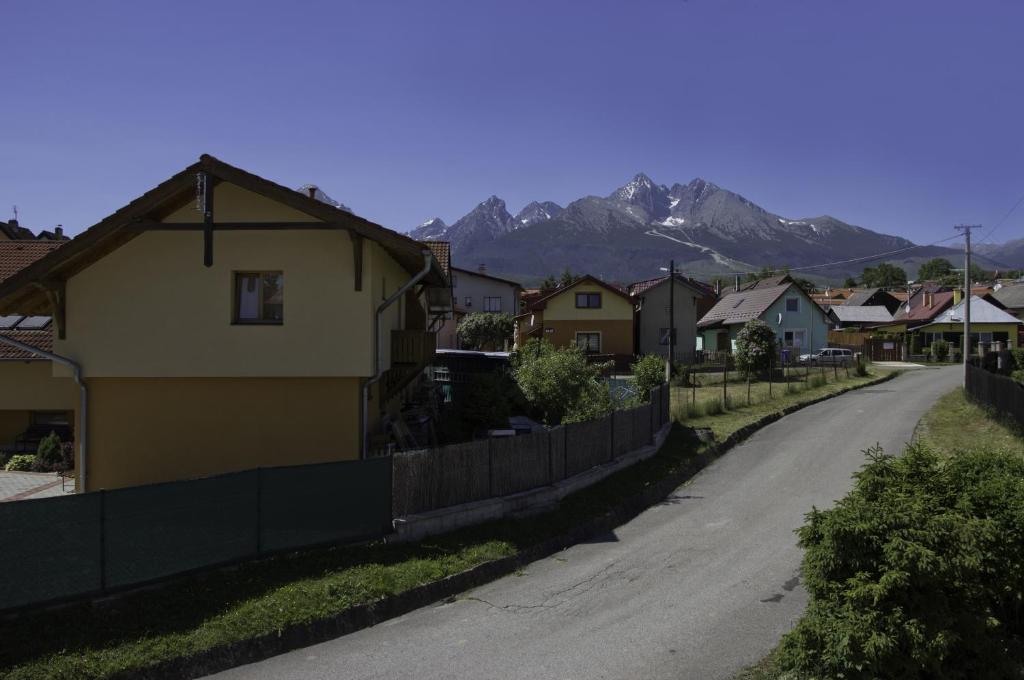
(903, 117)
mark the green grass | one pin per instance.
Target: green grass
(198, 613)
(708, 410)
(955, 423)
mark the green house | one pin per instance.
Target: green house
(799, 323)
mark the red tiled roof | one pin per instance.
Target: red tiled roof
(16, 255)
(442, 253)
(922, 312)
(43, 339)
(640, 287)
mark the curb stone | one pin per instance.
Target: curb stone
(356, 618)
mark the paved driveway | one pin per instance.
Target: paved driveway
(697, 587)
(16, 486)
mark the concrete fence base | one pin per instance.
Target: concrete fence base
(416, 526)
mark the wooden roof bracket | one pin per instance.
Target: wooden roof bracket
(56, 294)
(207, 218)
(357, 257)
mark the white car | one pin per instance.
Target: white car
(828, 357)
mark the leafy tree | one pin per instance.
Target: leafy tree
(885, 275)
(755, 346)
(548, 285)
(567, 278)
(940, 350)
(648, 373)
(935, 269)
(916, 573)
(486, 330)
(48, 453)
(850, 282)
(560, 383)
(806, 284)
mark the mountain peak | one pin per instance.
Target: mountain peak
(641, 191)
(538, 211)
(433, 223)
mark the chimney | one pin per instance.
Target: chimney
(482, 268)
(929, 300)
(13, 223)
(718, 287)
(958, 294)
(311, 190)
(736, 284)
(59, 232)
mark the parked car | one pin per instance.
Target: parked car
(828, 356)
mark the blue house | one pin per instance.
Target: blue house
(798, 321)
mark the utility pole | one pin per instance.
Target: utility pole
(966, 229)
(671, 316)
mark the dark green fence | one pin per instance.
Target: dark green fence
(999, 392)
(57, 548)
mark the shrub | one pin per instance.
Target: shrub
(860, 369)
(916, 573)
(486, 331)
(1018, 375)
(48, 453)
(560, 383)
(1017, 354)
(755, 346)
(648, 373)
(816, 380)
(681, 375)
(20, 463)
(940, 350)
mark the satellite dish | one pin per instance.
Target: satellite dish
(779, 321)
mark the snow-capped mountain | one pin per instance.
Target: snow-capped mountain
(634, 230)
(538, 212)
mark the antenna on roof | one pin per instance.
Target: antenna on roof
(15, 209)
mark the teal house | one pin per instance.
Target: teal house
(799, 323)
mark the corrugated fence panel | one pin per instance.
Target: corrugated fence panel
(1001, 393)
(520, 463)
(642, 426)
(622, 433)
(666, 398)
(557, 435)
(413, 488)
(161, 529)
(451, 475)
(588, 444)
(49, 549)
(325, 503)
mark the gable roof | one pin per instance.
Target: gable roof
(861, 313)
(743, 305)
(861, 297)
(1011, 296)
(17, 293)
(769, 282)
(641, 287)
(982, 311)
(13, 230)
(16, 255)
(488, 276)
(541, 303)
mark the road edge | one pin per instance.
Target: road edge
(260, 648)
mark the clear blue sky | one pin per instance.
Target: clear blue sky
(904, 117)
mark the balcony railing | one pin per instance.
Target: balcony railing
(412, 348)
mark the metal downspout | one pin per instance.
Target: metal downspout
(83, 398)
(378, 372)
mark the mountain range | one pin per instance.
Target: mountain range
(631, 233)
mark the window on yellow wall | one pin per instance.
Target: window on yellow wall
(589, 342)
(259, 298)
(588, 300)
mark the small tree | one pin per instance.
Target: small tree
(940, 350)
(885, 275)
(755, 345)
(850, 282)
(567, 278)
(935, 269)
(48, 454)
(486, 330)
(560, 383)
(548, 285)
(648, 373)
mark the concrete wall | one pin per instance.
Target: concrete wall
(654, 315)
(469, 285)
(144, 430)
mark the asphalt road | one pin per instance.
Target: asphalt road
(699, 586)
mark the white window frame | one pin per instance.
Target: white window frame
(600, 340)
(489, 303)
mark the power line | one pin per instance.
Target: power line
(1000, 222)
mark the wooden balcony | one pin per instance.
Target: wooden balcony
(412, 348)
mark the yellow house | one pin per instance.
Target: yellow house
(223, 322)
(988, 324)
(589, 313)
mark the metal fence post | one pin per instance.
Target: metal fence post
(103, 540)
(611, 436)
(551, 461)
(259, 510)
(490, 469)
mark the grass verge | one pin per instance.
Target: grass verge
(955, 423)
(725, 422)
(141, 630)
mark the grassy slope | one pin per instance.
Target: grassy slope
(202, 612)
(955, 423)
